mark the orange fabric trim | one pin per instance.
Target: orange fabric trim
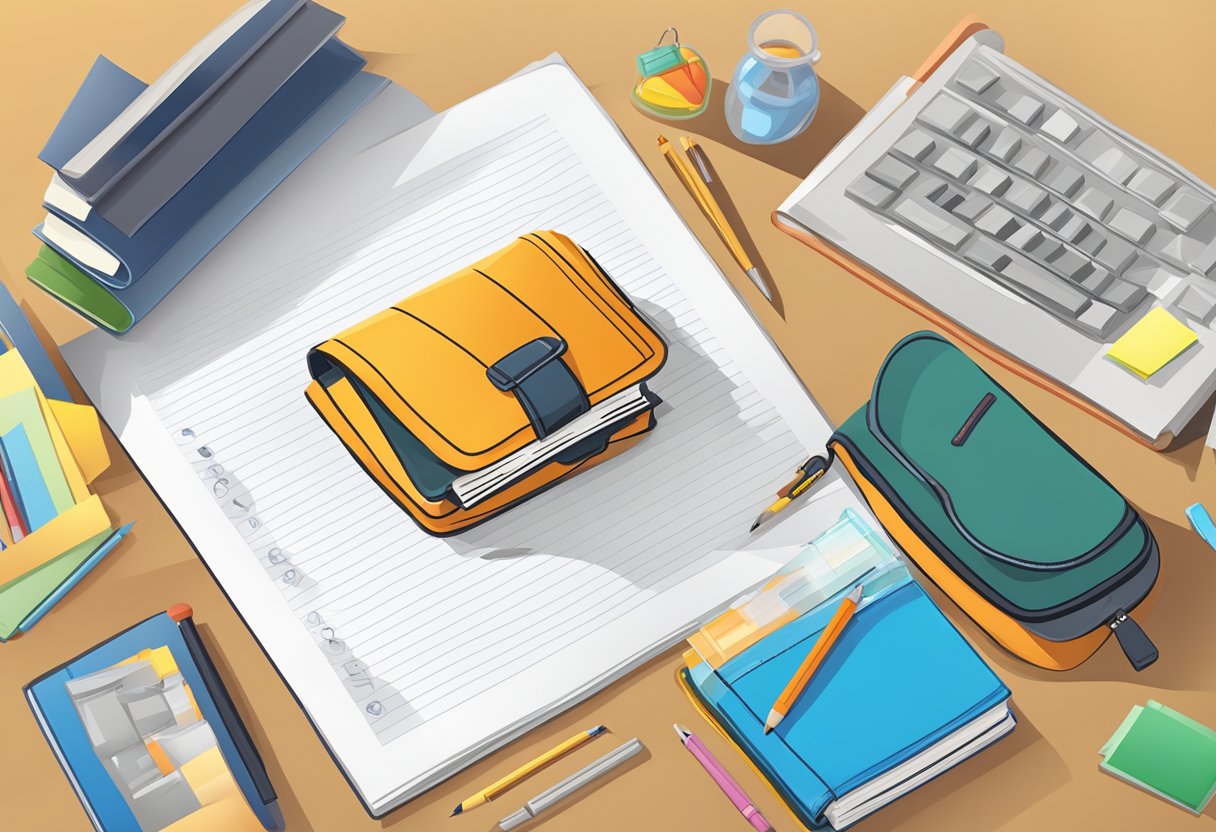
(1006, 631)
(964, 29)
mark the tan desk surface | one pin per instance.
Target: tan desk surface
(1148, 67)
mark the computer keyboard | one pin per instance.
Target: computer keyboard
(988, 175)
(1045, 201)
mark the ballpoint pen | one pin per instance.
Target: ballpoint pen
(808, 472)
(733, 791)
(696, 179)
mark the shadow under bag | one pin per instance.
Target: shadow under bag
(492, 384)
(1030, 541)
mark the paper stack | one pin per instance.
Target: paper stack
(149, 178)
(52, 528)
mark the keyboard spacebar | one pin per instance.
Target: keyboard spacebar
(1045, 289)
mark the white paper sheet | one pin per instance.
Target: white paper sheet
(414, 655)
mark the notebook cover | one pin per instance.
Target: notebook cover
(333, 65)
(136, 301)
(166, 169)
(899, 679)
(1167, 753)
(16, 329)
(105, 92)
(188, 94)
(57, 716)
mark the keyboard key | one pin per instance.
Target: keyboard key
(1072, 265)
(1028, 198)
(1074, 228)
(1123, 295)
(933, 222)
(1205, 263)
(1196, 303)
(1060, 126)
(1026, 238)
(984, 253)
(1095, 203)
(975, 77)
(949, 198)
(1032, 163)
(1055, 215)
(975, 132)
(1151, 185)
(1133, 226)
(972, 207)
(1021, 107)
(1092, 242)
(1049, 249)
(915, 145)
(957, 163)
(998, 222)
(1064, 299)
(869, 192)
(1184, 209)
(1098, 318)
(992, 181)
(1116, 255)
(1096, 281)
(1065, 179)
(1151, 276)
(890, 171)
(1100, 151)
(947, 114)
(1006, 144)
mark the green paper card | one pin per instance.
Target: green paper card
(22, 408)
(1166, 753)
(19, 598)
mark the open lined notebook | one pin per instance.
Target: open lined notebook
(413, 655)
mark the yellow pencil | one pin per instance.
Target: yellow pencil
(827, 639)
(494, 790)
(713, 212)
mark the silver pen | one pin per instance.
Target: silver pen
(584, 777)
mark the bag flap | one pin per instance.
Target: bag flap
(446, 360)
(1015, 491)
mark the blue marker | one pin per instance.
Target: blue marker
(1202, 522)
(75, 578)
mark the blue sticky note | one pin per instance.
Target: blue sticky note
(35, 498)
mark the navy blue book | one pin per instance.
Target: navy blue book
(99, 162)
(327, 71)
(149, 738)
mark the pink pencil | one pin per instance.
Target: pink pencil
(725, 782)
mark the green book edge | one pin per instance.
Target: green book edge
(59, 277)
(22, 596)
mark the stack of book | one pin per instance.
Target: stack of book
(52, 529)
(149, 178)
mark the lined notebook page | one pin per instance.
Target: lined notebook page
(442, 648)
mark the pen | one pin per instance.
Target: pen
(806, 476)
(76, 577)
(495, 789)
(697, 186)
(580, 779)
(722, 777)
(823, 645)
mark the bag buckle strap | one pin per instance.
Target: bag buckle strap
(549, 393)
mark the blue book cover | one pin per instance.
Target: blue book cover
(20, 335)
(314, 83)
(898, 687)
(171, 267)
(230, 44)
(148, 736)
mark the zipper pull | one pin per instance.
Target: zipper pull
(1136, 644)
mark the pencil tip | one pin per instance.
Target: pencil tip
(597, 730)
(755, 526)
(768, 729)
(457, 811)
(662, 139)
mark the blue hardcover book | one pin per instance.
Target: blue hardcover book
(148, 736)
(125, 307)
(331, 68)
(901, 698)
(103, 156)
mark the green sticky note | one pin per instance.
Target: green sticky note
(1166, 753)
(22, 408)
(21, 597)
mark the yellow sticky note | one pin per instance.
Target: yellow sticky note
(1156, 340)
